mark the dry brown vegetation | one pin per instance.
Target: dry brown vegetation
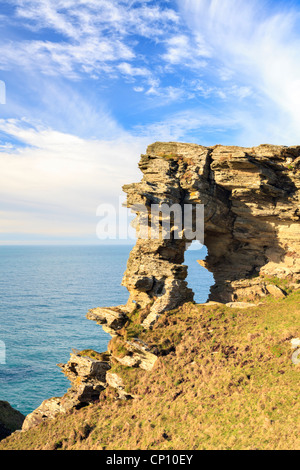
(224, 380)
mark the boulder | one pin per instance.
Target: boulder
(275, 291)
(10, 419)
(112, 319)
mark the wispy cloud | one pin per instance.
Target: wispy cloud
(258, 44)
(51, 182)
(79, 18)
(198, 124)
(95, 37)
(186, 51)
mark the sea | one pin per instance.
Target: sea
(45, 293)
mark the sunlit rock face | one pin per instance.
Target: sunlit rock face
(251, 221)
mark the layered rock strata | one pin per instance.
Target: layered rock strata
(87, 375)
(251, 221)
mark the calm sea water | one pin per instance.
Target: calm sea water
(45, 292)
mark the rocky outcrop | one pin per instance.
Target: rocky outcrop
(251, 222)
(89, 374)
(10, 419)
(135, 353)
(86, 371)
(251, 229)
(112, 319)
(47, 410)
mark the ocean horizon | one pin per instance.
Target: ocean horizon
(45, 293)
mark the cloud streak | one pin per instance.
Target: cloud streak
(97, 37)
(259, 47)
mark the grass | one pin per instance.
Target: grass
(278, 282)
(117, 348)
(94, 355)
(224, 379)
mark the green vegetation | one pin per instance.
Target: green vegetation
(168, 156)
(94, 355)
(133, 328)
(224, 380)
(117, 348)
(279, 282)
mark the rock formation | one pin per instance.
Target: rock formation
(89, 371)
(251, 205)
(10, 419)
(86, 371)
(251, 221)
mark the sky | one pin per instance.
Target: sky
(86, 85)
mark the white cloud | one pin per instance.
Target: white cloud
(51, 182)
(224, 92)
(178, 125)
(55, 182)
(79, 18)
(186, 51)
(96, 36)
(259, 44)
(241, 59)
(92, 55)
(127, 69)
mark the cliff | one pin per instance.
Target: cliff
(251, 224)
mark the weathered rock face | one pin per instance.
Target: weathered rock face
(112, 319)
(87, 376)
(47, 410)
(135, 354)
(251, 221)
(10, 419)
(86, 371)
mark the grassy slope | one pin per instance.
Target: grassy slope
(226, 382)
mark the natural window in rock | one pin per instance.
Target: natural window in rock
(251, 224)
(199, 279)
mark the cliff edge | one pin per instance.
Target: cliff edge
(251, 224)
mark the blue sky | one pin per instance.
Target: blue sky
(90, 83)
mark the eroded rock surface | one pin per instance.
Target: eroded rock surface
(87, 375)
(112, 319)
(47, 410)
(252, 222)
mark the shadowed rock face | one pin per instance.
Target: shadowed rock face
(10, 419)
(252, 221)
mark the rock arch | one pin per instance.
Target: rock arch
(252, 221)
